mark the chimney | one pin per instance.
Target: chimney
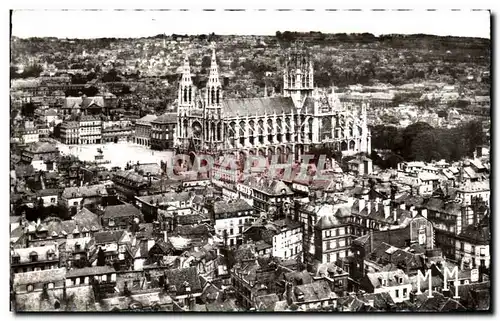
(376, 205)
(371, 240)
(38, 221)
(165, 239)
(289, 299)
(387, 211)
(361, 204)
(395, 214)
(393, 192)
(412, 297)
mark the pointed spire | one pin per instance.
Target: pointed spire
(186, 70)
(214, 68)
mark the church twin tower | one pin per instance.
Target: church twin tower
(287, 124)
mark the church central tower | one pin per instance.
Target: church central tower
(298, 76)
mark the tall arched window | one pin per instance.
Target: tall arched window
(212, 94)
(185, 94)
(190, 94)
(218, 95)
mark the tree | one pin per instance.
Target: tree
(206, 61)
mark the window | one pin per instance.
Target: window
(34, 257)
(473, 250)
(29, 287)
(461, 246)
(405, 292)
(397, 293)
(52, 200)
(482, 251)
(15, 260)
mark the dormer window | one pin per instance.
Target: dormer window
(33, 257)
(384, 282)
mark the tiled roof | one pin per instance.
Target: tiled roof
(391, 277)
(41, 252)
(268, 186)
(146, 120)
(122, 210)
(108, 236)
(257, 106)
(167, 118)
(231, 206)
(47, 192)
(181, 278)
(316, 291)
(266, 302)
(43, 147)
(86, 219)
(131, 176)
(83, 102)
(476, 234)
(90, 271)
(44, 276)
(85, 191)
(165, 198)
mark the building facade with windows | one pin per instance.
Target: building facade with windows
(279, 125)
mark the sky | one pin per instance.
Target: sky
(134, 23)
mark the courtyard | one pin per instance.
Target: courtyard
(118, 154)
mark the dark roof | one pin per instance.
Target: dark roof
(180, 278)
(257, 106)
(122, 210)
(85, 218)
(85, 191)
(266, 302)
(131, 176)
(108, 236)
(88, 271)
(165, 198)
(231, 206)
(437, 303)
(477, 234)
(47, 192)
(43, 147)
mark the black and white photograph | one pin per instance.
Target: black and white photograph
(250, 160)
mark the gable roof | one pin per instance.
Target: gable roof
(85, 191)
(122, 210)
(108, 236)
(167, 118)
(257, 106)
(231, 206)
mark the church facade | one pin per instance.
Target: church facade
(303, 116)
